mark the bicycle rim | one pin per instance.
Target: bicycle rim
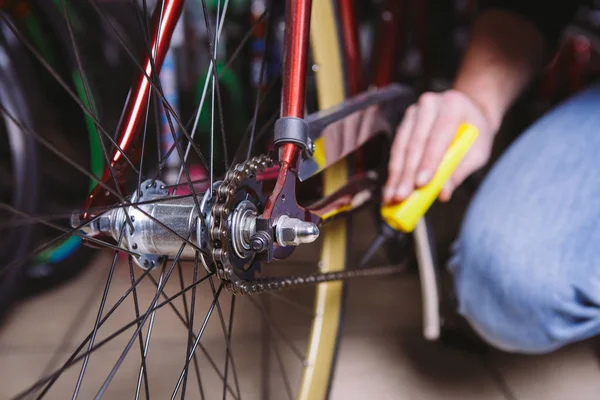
(329, 302)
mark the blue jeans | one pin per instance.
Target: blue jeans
(527, 261)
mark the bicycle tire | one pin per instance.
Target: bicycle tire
(317, 379)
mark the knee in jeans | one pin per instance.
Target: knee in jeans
(509, 303)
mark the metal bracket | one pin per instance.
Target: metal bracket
(293, 130)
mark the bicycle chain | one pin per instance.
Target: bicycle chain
(220, 211)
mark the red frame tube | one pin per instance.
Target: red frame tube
(296, 38)
(353, 57)
(351, 46)
(297, 33)
(134, 110)
(162, 30)
(389, 39)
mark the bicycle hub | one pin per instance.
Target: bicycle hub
(156, 225)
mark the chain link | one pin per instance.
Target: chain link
(219, 234)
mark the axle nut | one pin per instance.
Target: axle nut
(260, 241)
(294, 232)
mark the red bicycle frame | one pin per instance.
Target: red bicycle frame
(164, 20)
(296, 37)
(297, 33)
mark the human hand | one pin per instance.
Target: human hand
(423, 137)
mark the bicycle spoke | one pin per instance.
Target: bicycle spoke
(198, 337)
(89, 99)
(265, 352)
(170, 113)
(143, 152)
(143, 20)
(218, 87)
(32, 218)
(73, 358)
(300, 307)
(189, 321)
(98, 318)
(212, 136)
(44, 246)
(244, 40)
(182, 160)
(239, 155)
(143, 374)
(65, 86)
(71, 331)
(161, 160)
(108, 188)
(168, 110)
(114, 370)
(284, 377)
(209, 78)
(212, 45)
(191, 328)
(229, 330)
(148, 335)
(155, 86)
(136, 307)
(274, 328)
(236, 52)
(193, 338)
(57, 152)
(263, 64)
(60, 228)
(227, 337)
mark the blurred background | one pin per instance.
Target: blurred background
(50, 303)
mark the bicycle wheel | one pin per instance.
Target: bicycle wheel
(166, 258)
(57, 118)
(20, 175)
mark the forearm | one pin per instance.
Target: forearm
(505, 53)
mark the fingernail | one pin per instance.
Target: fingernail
(403, 191)
(423, 178)
(387, 194)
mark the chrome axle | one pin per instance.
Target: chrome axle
(161, 224)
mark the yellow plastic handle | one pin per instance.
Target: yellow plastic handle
(404, 216)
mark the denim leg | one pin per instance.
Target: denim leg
(527, 260)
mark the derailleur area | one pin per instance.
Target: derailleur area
(223, 228)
